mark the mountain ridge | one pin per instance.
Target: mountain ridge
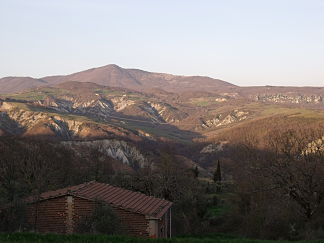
(114, 76)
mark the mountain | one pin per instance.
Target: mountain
(17, 84)
(158, 105)
(201, 116)
(115, 76)
(167, 85)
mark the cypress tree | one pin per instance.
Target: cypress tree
(218, 173)
(196, 172)
(218, 177)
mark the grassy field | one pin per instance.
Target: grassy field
(53, 238)
(67, 116)
(203, 101)
(39, 94)
(277, 109)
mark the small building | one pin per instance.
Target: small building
(60, 211)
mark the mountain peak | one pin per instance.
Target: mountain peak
(112, 66)
(107, 67)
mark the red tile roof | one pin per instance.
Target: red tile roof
(133, 201)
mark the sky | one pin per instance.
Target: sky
(245, 42)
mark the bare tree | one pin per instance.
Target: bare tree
(290, 166)
(296, 169)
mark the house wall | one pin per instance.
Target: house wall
(48, 215)
(153, 228)
(63, 214)
(133, 224)
(164, 225)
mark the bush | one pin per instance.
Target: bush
(13, 218)
(102, 221)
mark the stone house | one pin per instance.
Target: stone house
(61, 210)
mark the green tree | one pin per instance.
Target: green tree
(103, 220)
(218, 177)
(196, 172)
(218, 173)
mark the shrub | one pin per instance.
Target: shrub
(13, 218)
(102, 221)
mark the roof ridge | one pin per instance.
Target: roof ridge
(83, 186)
(139, 192)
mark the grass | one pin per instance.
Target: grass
(28, 96)
(217, 211)
(18, 105)
(204, 101)
(296, 112)
(166, 132)
(52, 113)
(38, 94)
(221, 207)
(56, 238)
(110, 92)
(273, 109)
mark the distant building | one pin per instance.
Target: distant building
(60, 211)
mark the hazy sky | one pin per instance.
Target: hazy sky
(246, 42)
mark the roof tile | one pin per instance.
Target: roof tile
(116, 196)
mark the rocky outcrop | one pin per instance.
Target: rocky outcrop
(289, 98)
(155, 111)
(120, 103)
(104, 109)
(9, 126)
(223, 120)
(214, 147)
(119, 150)
(316, 146)
(25, 120)
(99, 108)
(167, 112)
(220, 99)
(145, 135)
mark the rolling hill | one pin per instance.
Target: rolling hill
(138, 106)
(115, 76)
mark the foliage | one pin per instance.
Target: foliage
(13, 218)
(103, 221)
(279, 187)
(274, 192)
(218, 174)
(195, 172)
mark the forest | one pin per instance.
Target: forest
(270, 188)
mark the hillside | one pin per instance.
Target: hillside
(132, 105)
(143, 132)
(154, 116)
(17, 84)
